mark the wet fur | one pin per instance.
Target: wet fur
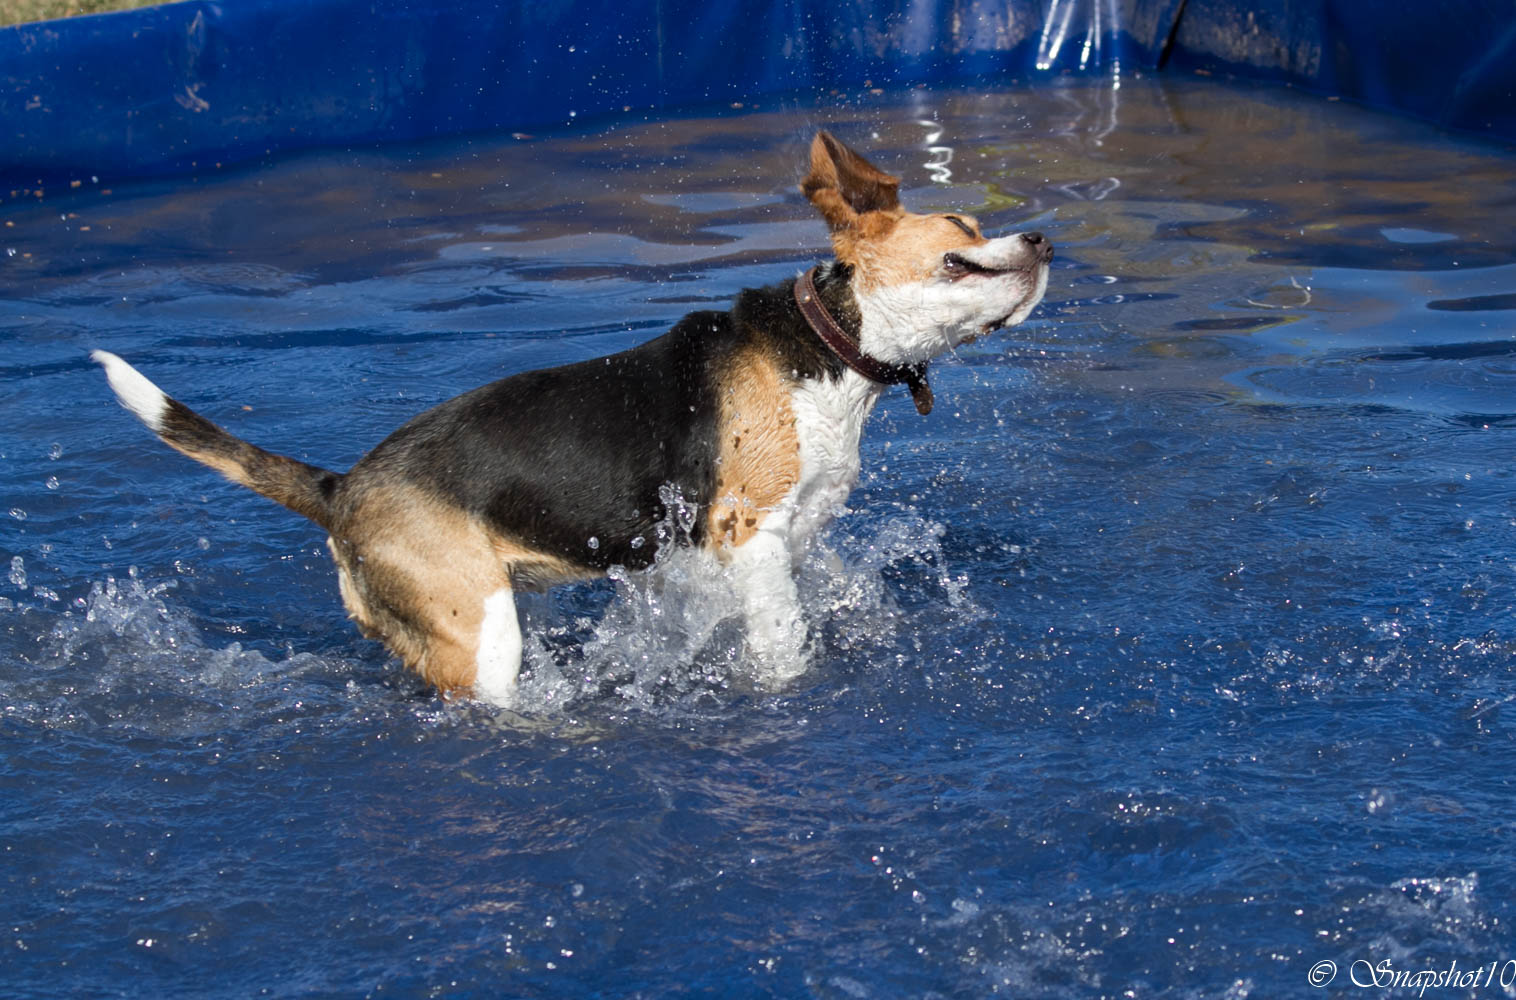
(559, 474)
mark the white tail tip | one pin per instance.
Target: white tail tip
(136, 393)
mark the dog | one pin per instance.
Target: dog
(751, 418)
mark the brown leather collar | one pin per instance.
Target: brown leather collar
(850, 354)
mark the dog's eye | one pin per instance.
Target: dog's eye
(967, 231)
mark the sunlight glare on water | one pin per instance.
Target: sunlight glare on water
(1169, 657)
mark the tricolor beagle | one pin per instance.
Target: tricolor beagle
(751, 418)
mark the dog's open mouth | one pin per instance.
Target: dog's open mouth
(959, 267)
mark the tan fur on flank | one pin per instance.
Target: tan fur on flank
(758, 454)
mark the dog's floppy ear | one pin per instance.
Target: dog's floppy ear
(843, 185)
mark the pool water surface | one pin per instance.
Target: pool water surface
(1170, 656)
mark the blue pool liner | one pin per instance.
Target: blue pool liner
(195, 86)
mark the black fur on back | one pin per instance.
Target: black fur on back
(570, 460)
(772, 318)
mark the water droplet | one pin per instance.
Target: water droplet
(18, 513)
(203, 542)
(55, 451)
(18, 571)
(594, 542)
(638, 542)
(51, 482)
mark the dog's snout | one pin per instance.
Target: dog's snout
(1039, 244)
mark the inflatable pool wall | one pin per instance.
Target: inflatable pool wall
(190, 86)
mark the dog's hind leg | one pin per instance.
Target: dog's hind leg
(469, 643)
(497, 654)
(436, 586)
(458, 637)
(470, 636)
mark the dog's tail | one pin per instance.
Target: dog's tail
(304, 489)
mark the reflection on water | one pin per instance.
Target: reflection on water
(1169, 656)
(1078, 33)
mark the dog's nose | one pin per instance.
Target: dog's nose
(1039, 245)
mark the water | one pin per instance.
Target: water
(1170, 657)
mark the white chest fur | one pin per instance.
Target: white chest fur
(829, 420)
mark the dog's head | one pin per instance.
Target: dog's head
(924, 283)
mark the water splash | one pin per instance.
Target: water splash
(124, 656)
(668, 641)
(671, 639)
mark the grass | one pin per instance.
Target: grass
(21, 11)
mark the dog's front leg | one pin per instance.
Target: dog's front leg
(763, 568)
